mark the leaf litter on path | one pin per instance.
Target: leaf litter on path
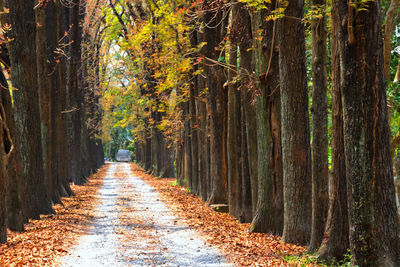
(221, 229)
(47, 239)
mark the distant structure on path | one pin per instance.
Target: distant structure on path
(123, 155)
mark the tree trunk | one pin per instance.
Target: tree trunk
(269, 210)
(203, 145)
(319, 111)
(61, 120)
(194, 128)
(217, 101)
(232, 129)
(45, 107)
(187, 149)
(6, 150)
(26, 103)
(14, 185)
(336, 241)
(75, 96)
(295, 125)
(14, 194)
(147, 162)
(371, 197)
(3, 176)
(52, 36)
(248, 107)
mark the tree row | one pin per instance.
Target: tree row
(50, 115)
(248, 117)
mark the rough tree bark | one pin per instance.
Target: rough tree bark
(14, 186)
(203, 155)
(217, 101)
(194, 125)
(14, 194)
(371, 197)
(60, 97)
(45, 86)
(74, 92)
(269, 209)
(6, 147)
(26, 102)
(248, 136)
(52, 39)
(336, 241)
(319, 112)
(295, 125)
(232, 129)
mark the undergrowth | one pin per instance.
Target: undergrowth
(312, 259)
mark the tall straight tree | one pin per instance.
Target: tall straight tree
(214, 21)
(22, 52)
(45, 90)
(75, 94)
(336, 241)
(268, 215)
(14, 197)
(248, 116)
(203, 139)
(194, 123)
(319, 111)
(60, 97)
(232, 130)
(5, 150)
(371, 196)
(295, 125)
(14, 186)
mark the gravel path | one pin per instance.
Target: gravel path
(133, 227)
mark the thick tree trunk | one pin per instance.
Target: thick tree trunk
(319, 111)
(26, 102)
(75, 96)
(7, 150)
(166, 163)
(178, 159)
(61, 120)
(217, 101)
(203, 145)
(248, 134)
(269, 209)
(147, 162)
(46, 88)
(336, 241)
(3, 178)
(295, 125)
(201, 111)
(52, 36)
(155, 149)
(187, 149)
(14, 176)
(82, 79)
(232, 129)
(194, 128)
(371, 197)
(14, 190)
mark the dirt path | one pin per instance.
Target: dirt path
(133, 227)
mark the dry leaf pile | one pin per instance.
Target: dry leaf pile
(49, 238)
(220, 229)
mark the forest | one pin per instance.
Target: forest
(287, 113)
